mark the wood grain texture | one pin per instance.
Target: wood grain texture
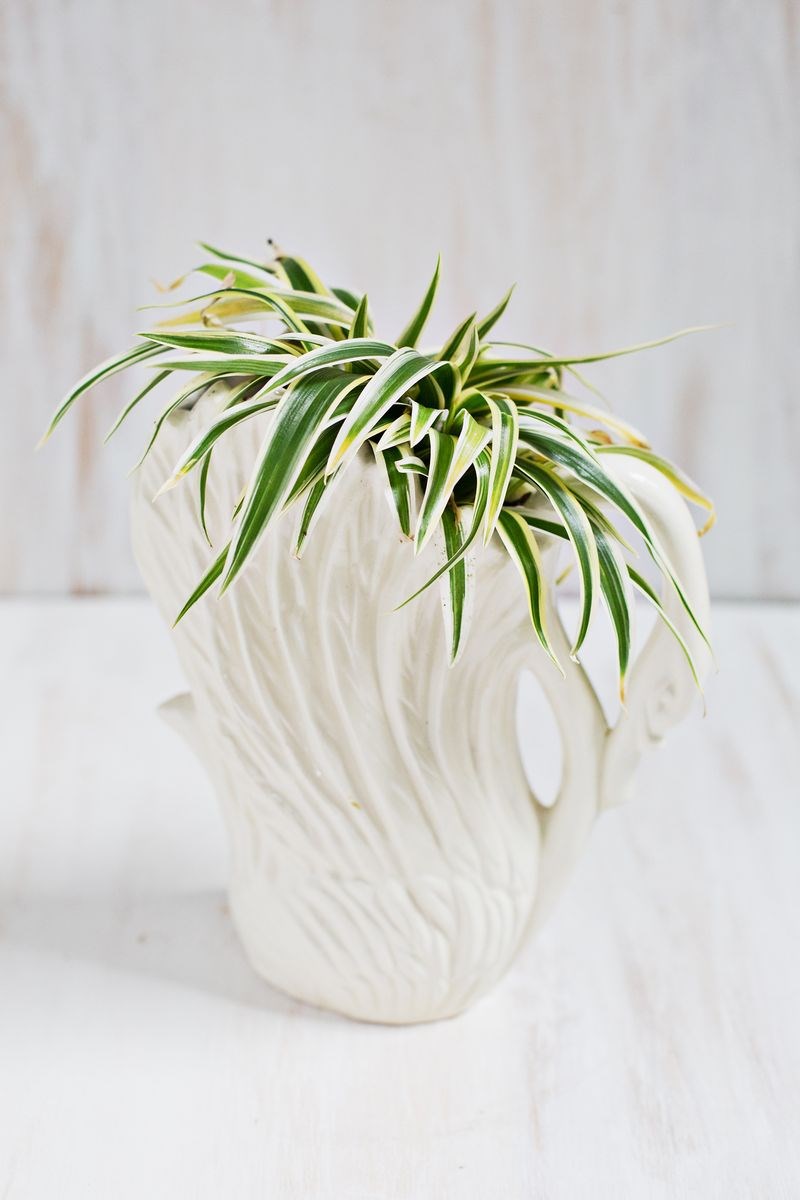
(645, 1045)
(636, 167)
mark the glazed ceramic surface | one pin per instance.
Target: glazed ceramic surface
(388, 855)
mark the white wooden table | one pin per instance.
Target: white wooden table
(645, 1046)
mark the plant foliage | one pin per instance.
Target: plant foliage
(477, 438)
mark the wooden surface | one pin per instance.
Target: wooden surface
(635, 167)
(646, 1045)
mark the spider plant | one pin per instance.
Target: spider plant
(478, 438)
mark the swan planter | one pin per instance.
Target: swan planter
(388, 856)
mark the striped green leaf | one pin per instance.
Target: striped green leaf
(485, 324)
(450, 460)
(301, 275)
(314, 464)
(300, 416)
(357, 350)
(232, 303)
(555, 398)
(209, 579)
(230, 276)
(641, 585)
(391, 383)
(579, 531)
(221, 341)
(395, 433)
(312, 503)
(228, 419)
(198, 384)
(437, 494)
(267, 268)
(264, 365)
(579, 359)
(412, 465)
(401, 485)
(481, 467)
(523, 550)
(411, 334)
(679, 480)
(456, 585)
(131, 405)
(422, 419)
(349, 299)
(505, 439)
(462, 346)
(589, 470)
(361, 323)
(616, 597)
(120, 362)
(203, 487)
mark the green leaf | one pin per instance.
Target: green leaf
(450, 459)
(555, 398)
(551, 361)
(315, 494)
(300, 416)
(481, 467)
(466, 355)
(202, 492)
(586, 497)
(615, 595)
(348, 298)
(230, 416)
(392, 381)
(212, 574)
(333, 354)
(505, 439)
(396, 432)
(411, 334)
(131, 405)
(461, 343)
(446, 383)
(198, 384)
(361, 322)
(493, 375)
(139, 353)
(233, 302)
(223, 341)
(543, 525)
(412, 465)
(422, 420)
(302, 276)
(524, 552)
(237, 258)
(263, 365)
(680, 481)
(490, 320)
(437, 493)
(580, 534)
(458, 582)
(587, 467)
(314, 464)
(401, 485)
(230, 275)
(237, 392)
(641, 584)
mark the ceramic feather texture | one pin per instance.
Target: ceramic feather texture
(388, 856)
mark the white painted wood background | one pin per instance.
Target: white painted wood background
(645, 1046)
(635, 166)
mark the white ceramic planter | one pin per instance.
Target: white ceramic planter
(387, 854)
